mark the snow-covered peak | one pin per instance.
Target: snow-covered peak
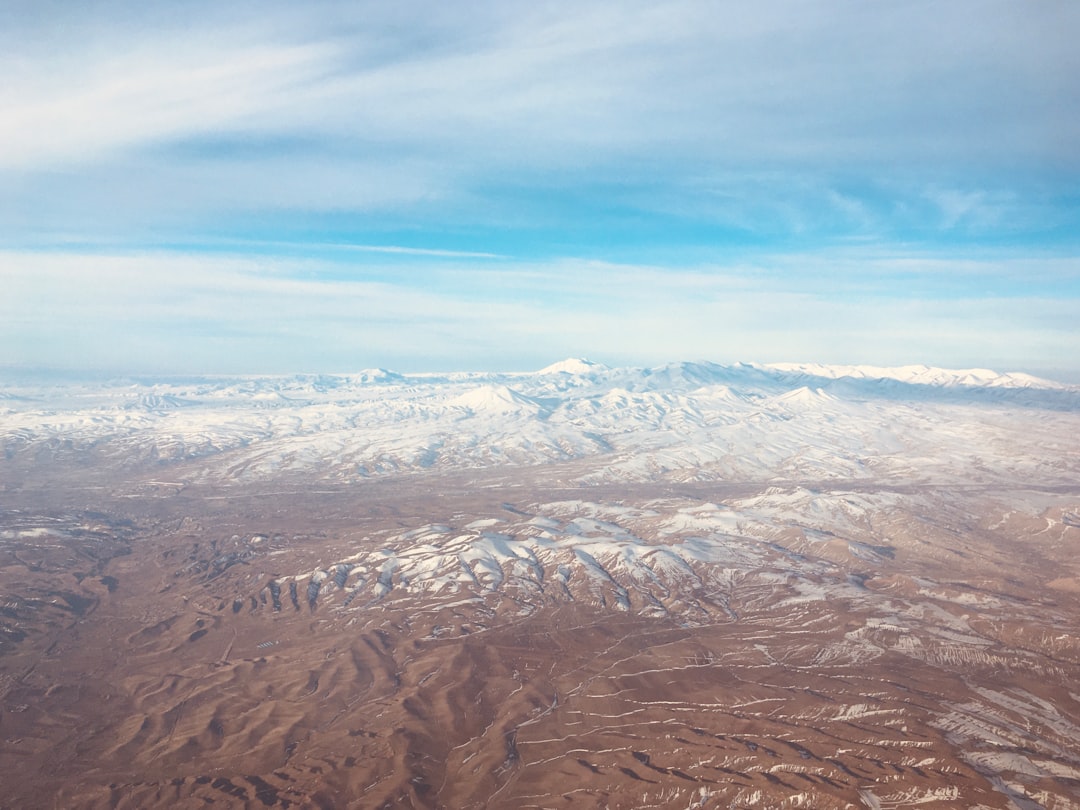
(497, 399)
(377, 375)
(804, 396)
(573, 365)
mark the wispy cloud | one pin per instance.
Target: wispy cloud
(395, 250)
(735, 165)
(154, 312)
(143, 96)
(564, 86)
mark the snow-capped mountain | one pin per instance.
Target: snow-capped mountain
(573, 365)
(680, 421)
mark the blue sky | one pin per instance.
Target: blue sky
(195, 187)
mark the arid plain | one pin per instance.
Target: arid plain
(693, 587)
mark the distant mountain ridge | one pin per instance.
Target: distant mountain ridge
(920, 375)
(678, 421)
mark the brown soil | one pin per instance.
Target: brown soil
(141, 667)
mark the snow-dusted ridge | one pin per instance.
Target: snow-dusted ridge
(497, 400)
(919, 375)
(680, 421)
(663, 559)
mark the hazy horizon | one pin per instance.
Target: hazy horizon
(60, 376)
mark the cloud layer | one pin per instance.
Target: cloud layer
(776, 146)
(184, 314)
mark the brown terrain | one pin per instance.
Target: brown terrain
(253, 646)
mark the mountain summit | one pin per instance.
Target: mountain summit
(573, 365)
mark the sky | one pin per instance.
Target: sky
(273, 187)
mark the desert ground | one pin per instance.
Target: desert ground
(149, 658)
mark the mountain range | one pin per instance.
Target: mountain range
(687, 586)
